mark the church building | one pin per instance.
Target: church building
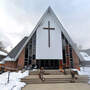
(48, 46)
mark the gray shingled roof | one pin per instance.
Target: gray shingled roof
(18, 47)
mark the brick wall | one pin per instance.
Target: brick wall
(1, 66)
(67, 56)
(60, 64)
(10, 65)
(75, 59)
(14, 65)
(20, 61)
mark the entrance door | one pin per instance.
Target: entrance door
(48, 64)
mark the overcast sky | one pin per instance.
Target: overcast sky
(19, 17)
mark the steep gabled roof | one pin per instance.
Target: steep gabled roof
(15, 50)
(49, 10)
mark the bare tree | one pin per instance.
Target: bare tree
(1, 45)
(80, 47)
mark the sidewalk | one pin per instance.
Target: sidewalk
(66, 86)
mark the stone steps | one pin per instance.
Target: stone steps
(50, 72)
(54, 79)
(47, 80)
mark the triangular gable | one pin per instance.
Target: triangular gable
(49, 10)
(13, 53)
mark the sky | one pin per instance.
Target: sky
(19, 17)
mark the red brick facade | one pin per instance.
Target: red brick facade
(75, 59)
(61, 64)
(15, 65)
(67, 56)
(20, 60)
(19, 63)
(10, 65)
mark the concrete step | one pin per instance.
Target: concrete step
(50, 72)
(50, 80)
(47, 80)
(54, 79)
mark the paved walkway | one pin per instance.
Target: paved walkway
(66, 86)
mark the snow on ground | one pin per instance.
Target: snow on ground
(85, 56)
(84, 71)
(14, 83)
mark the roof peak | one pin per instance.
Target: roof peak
(49, 9)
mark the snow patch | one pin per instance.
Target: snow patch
(85, 71)
(2, 62)
(8, 59)
(14, 83)
(85, 56)
(3, 53)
